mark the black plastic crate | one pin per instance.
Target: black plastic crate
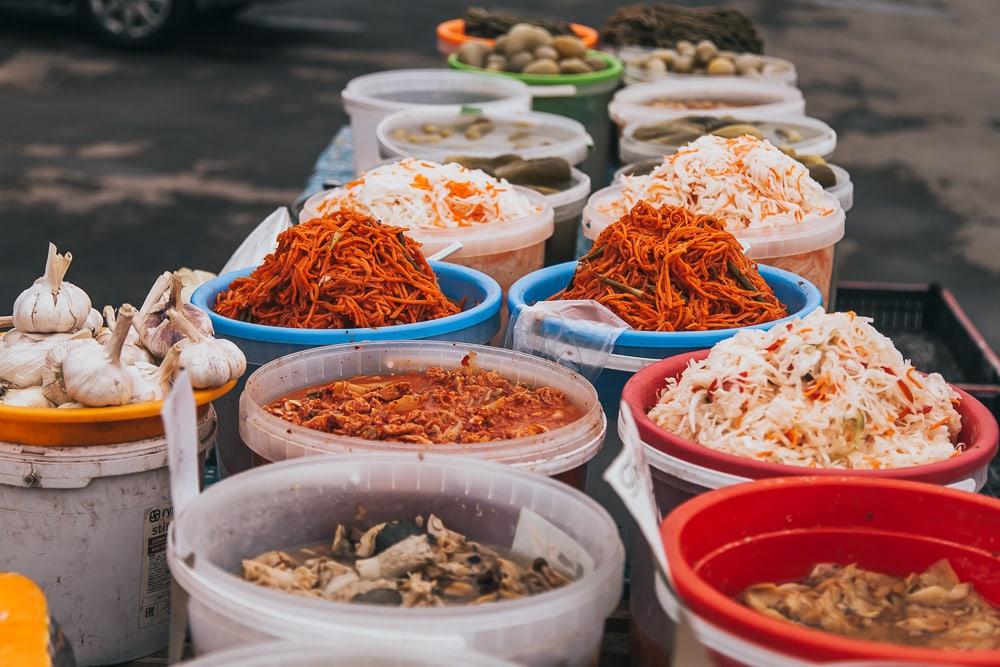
(930, 328)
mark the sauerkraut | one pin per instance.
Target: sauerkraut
(419, 194)
(824, 391)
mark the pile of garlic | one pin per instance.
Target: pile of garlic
(63, 353)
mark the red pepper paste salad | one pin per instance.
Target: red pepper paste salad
(435, 406)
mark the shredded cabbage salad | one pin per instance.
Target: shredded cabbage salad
(824, 391)
(419, 194)
(745, 182)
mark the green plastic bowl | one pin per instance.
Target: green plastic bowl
(610, 74)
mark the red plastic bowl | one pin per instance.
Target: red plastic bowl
(979, 435)
(451, 35)
(777, 529)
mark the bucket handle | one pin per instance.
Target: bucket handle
(562, 90)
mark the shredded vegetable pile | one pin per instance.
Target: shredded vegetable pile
(745, 182)
(418, 194)
(666, 269)
(339, 272)
(826, 391)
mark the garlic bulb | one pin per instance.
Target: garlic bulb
(52, 372)
(151, 382)
(32, 397)
(210, 362)
(52, 305)
(95, 322)
(192, 279)
(22, 358)
(156, 332)
(96, 377)
(132, 351)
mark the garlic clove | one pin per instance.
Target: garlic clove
(52, 305)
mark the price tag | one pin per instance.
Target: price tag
(181, 429)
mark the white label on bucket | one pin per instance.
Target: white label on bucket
(181, 430)
(535, 536)
(154, 587)
(629, 476)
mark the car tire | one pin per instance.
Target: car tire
(134, 23)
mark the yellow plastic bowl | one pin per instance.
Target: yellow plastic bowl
(78, 427)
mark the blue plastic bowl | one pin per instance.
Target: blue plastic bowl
(798, 294)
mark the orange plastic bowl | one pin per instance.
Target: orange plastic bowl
(451, 35)
(52, 427)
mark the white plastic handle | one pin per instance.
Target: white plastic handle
(564, 90)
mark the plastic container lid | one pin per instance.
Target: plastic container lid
(763, 98)
(568, 204)
(451, 35)
(394, 90)
(344, 654)
(811, 234)
(299, 502)
(549, 454)
(573, 84)
(550, 135)
(818, 137)
(844, 188)
(477, 240)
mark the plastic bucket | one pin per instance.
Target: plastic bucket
(562, 453)
(568, 207)
(300, 502)
(777, 529)
(369, 98)
(89, 525)
(764, 99)
(682, 470)
(636, 349)
(261, 344)
(451, 35)
(344, 654)
(818, 137)
(583, 97)
(807, 248)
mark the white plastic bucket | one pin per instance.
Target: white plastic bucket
(369, 98)
(560, 137)
(762, 98)
(844, 189)
(89, 525)
(561, 453)
(568, 207)
(807, 248)
(300, 502)
(344, 654)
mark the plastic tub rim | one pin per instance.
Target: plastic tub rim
(215, 577)
(594, 412)
(355, 100)
(976, 456)
(677, 339)
(569, 203)
(481, 312)
(673, 526)
(610, 74)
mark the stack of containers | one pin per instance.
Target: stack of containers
(477, 323)
(542, 135)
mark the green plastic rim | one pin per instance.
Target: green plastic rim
(612, 72)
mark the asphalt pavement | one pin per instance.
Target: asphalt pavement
(139, 162)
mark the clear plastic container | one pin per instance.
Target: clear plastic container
(344, 654)
(818, 138)
(568, 207)
(774, 69)
(806, 248)
(561, 453)
(300, 502)
(541, 135)
(844, 189)
(369, 98)
(762, 98)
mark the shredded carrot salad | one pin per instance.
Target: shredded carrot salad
(342, 271)
(666, 269)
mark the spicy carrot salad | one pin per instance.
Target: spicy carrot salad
(826, 391)
(419, 194)
(435, 406)
(745, 182)
(339, 272)
(666, 269)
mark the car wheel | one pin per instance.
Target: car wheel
(134, 23)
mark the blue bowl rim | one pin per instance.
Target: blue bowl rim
(481, 312)
(672, 339)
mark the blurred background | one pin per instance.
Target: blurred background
(138, 161)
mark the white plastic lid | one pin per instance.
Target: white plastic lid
(765, 98)
(774, 69)
(569, 203)
(385, 653)
(813, 233)
(549, 135)
(395, 90)
(477, 240)
(818, 137)
(552, 453)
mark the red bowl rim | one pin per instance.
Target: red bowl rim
(976, 455)
(731, 616)
(453, 31)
